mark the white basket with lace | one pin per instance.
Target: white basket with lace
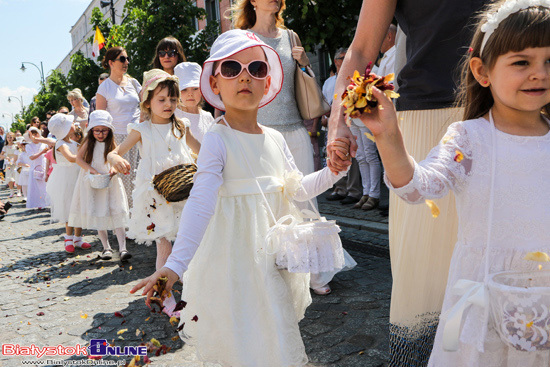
(100, 181)
(306, 244)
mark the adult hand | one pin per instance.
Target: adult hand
(299, 54)
(148, 283)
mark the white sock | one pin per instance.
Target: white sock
(77, 241)
(69, 238)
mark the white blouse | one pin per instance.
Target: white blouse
(122, 102)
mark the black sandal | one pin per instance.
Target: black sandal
(106, 254)
(125, 255)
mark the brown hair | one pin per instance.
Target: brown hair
(173, 91)
(243, 15)
(90, 141)
(168, 43)
(524, 29)
(111, 55)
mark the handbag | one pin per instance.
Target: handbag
(38, 173)
(175, 183)
(305, 244)
(309, 96)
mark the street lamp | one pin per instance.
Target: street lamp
(20, 101)
(104, 3)
(40, 70)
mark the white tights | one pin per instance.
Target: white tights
(120, 236)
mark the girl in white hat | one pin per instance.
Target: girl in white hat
(200, 121)
(61, 183)
(164, 142)
(101, 209)
(241, 310)
(9, 154)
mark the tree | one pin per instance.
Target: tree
(51, 97)
(146, 22)
(84, 74)
(329, 24)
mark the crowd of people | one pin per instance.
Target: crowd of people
(256, 169)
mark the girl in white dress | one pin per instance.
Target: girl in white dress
(496, 162)
(9, 155)
(100, 209)
(200, 121)
(23, 162)
(36, 184)
(241, 310)
(164, 142)
(61, 183)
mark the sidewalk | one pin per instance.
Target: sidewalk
(53, 298)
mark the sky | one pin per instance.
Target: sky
(34, 31)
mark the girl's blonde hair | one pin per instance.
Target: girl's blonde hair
(75, 94)
(243, 15)
(524, 29)
(173, 91)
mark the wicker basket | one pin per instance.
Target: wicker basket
(176, 182)
(519, 303)
(99, 181)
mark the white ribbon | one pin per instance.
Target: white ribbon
(272, 243)
(473, 293)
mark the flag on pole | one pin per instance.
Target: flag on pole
(99, 42)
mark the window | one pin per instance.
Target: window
(212, 8)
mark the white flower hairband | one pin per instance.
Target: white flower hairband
(506, 9)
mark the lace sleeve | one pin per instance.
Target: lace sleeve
(446, 167)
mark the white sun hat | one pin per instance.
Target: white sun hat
(60, 125)
(151, 80)
(189, 74)
(227, 45)
(100, 118)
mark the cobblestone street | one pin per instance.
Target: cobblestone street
(52, 298)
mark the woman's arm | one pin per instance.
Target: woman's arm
(191, 141)
(81, 162)
(64, 150)
(115, 159)
(374, 19)
(100, 102)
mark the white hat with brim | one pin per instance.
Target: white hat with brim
(100, 118)
(189, 74)
(60, 125)
(227, 45)
(26, 138)
(152, 78)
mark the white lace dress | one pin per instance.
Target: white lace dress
(521, 220)
(36, 191)
(247, 311)
(99, 209)
(152, 217)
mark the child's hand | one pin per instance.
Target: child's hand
(94, 172)
(120, 164)
(340, 147)
(112, 171)
(383, 119)
(148, 283)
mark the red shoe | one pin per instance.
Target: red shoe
(69, 247)
(83, 245)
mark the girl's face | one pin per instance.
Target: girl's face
(191, 97)
(521, 80)
(162, 106)
(271, 6)
(9, 139)
(119, 66)
(100, 133)
(243, 92)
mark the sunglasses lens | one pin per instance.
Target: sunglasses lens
(258, 69)
(230, 69)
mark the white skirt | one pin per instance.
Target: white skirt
(60, 189)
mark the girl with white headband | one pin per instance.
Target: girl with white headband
(496, 162)
(241, 310)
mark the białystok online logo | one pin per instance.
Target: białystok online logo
(97, 347)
